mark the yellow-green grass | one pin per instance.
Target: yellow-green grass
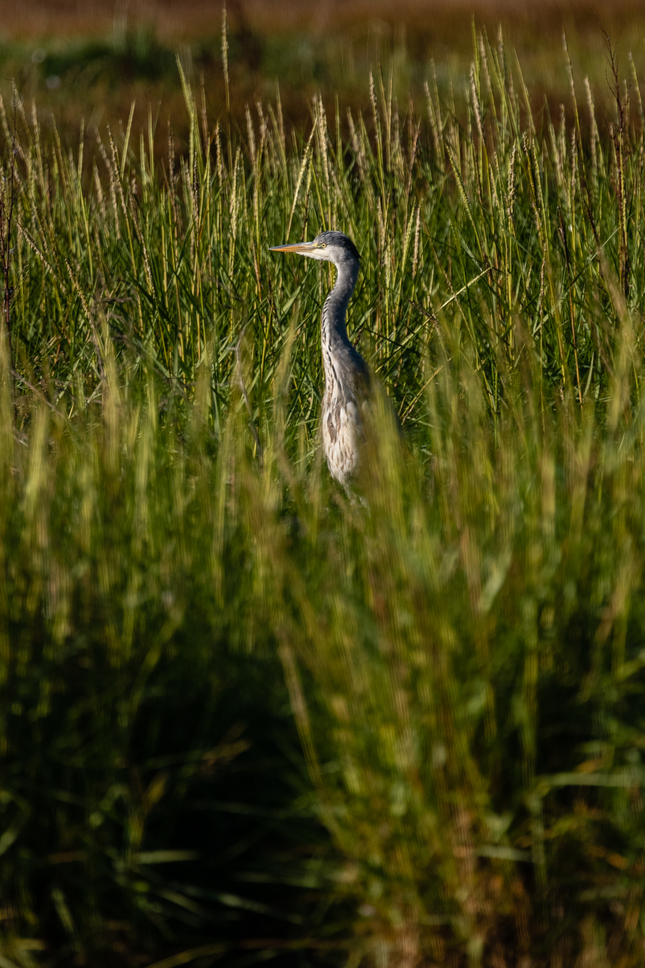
(243, 716)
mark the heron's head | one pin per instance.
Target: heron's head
(327, 247)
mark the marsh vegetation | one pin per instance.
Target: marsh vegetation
(242, 717)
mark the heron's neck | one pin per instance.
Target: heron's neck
(333, 329)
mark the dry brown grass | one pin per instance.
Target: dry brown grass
(190, 18)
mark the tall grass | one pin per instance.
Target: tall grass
(463, 654)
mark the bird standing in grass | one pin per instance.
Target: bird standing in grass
(347, 378)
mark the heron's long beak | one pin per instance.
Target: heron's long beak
(303, 248)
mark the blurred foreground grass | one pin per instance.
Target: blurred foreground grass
(241, 717)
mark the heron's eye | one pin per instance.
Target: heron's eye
(322, 245)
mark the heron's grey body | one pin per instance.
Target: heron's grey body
(346, 373)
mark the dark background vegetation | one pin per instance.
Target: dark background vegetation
(90, 61)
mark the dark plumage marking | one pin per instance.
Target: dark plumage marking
(331, 427)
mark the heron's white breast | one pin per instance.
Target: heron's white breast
(342, 438)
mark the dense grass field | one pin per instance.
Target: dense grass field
(242, 716)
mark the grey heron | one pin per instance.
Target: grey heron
(347, 378)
